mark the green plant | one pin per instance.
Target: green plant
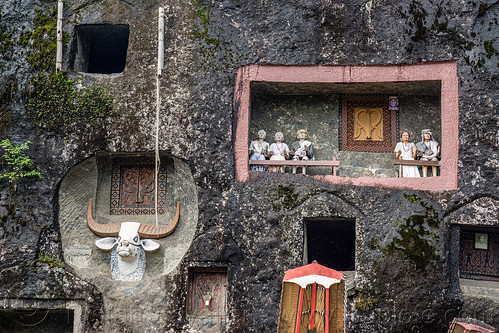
(57, 105)
(19, 164)
(51, 261)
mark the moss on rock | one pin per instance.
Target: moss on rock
(57, 105)
(418, 236)
(43, 39)
(7, 93)
(6, 42)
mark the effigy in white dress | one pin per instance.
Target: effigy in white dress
(407, 154)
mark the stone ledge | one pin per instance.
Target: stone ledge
(480, 288)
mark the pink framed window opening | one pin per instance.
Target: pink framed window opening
(350, 80)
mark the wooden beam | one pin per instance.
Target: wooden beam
(416, 162)
(334, 163)
(58, 57)
(297, 163)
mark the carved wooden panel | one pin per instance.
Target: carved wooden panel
(474, 261)
(207, 293)
(366, 124)
(132, 187)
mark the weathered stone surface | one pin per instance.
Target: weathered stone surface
(483, 211)
(254, 229)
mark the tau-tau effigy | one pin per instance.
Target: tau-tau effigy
(428, 150)
(259, 150)
(278, 151)
(302, 149)
(406, 150)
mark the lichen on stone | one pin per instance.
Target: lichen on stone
(216, 52)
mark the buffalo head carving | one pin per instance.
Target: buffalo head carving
(128, 241)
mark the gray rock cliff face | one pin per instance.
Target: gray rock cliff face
(406, 266)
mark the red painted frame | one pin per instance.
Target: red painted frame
(445, 72)
(390, 132)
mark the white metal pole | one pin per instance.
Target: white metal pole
(161, 24)
(161, 45)
(58, 58)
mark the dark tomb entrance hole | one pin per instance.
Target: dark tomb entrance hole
(37, 320)
(331, 242)
(100, 48)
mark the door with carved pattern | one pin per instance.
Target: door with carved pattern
(207, 301)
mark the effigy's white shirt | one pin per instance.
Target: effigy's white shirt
(279, 149)
(259, 148)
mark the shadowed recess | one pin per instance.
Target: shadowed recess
(331, 243)
(101, 48)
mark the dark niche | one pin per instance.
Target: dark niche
(331, 243)
(36, 320)
(100, 48)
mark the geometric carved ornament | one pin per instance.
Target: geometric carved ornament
(132, 187)
(367, 125)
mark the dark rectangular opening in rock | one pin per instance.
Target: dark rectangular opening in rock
(101, 48)
(331, 243)
(36, 320)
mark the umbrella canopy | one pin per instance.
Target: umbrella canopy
(313, 273)
(312, 300)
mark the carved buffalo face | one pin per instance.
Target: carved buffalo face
(128, 242)
(128, 259)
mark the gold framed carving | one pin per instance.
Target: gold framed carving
(368, 123)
